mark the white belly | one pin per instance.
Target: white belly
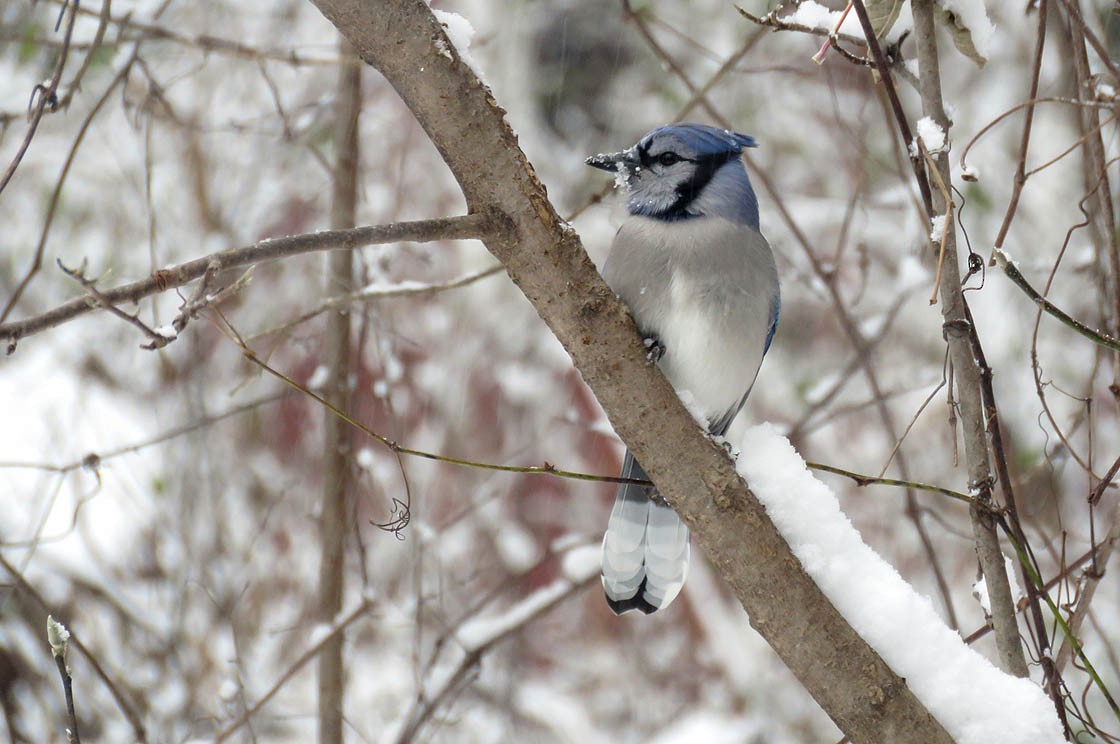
(705, 354)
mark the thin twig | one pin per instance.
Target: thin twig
(718, 75)
(667, 58)
(947, 199)
(1036, 367)
(1106, 480)
(1025, 139)
(131, 30)
(138, 730)
(393, 446)
(94, 460)
(1028, 104)
(75, 83)
(1078, 143)
(1011, 269)
(828, 43)
(1093, 575)
(375, 293)
(59, 639)
(896, 106)
(156, 340)
(914, 420)
(872, 480)
(309, 654)
(427, 705)
(56, 194)
(1073, 12)
(43, 97)
(780, 24)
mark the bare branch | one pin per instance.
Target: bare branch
(156, 340)
(466, 227)
(337, 447)
(773, 21)
(961, 335)
(875, 480)
(1011, 269)
(1024, 141)
(884, 70)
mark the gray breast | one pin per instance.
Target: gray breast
(706, 287)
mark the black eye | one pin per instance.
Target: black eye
(668, 158)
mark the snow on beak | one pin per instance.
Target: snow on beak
(614, 162)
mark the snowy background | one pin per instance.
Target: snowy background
(186, 559)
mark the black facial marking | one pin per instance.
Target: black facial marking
(706, 167)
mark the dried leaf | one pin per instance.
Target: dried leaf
(962, 37)
(882, 14)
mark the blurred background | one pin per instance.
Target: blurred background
(166, 505)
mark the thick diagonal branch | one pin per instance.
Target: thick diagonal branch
(544, 257)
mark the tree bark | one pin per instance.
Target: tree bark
(403, 40)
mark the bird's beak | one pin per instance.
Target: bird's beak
(616, 161)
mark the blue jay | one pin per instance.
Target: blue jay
(701, 283)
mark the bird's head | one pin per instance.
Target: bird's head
(671, 173)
